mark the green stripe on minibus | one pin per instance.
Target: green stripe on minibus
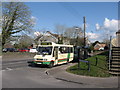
(62, 60)
(68, 55)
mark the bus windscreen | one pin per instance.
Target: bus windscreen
(45, 50)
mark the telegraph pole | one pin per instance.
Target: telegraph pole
(84, 21)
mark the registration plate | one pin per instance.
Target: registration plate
(39, 63)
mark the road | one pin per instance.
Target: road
(17, 74)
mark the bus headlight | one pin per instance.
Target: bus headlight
(35, 59)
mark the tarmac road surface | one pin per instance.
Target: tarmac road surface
(17, 74)
(33, 77)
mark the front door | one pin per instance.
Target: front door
(56, 54)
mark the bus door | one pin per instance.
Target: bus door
(62, 58)
(55, 54)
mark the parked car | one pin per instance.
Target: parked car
(9, 50)
(24, 50)
(33, 50)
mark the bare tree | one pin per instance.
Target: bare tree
(75, 34)
(72, 32)
(15, 18)
(24, 41)
(60, 29)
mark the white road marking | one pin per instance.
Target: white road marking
(9, 69)
(6, 69)
(46, 71)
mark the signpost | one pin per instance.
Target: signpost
(85, 62)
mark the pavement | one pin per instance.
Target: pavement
(59, 72)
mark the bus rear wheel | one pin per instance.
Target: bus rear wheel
(67, 61)
(51, 64)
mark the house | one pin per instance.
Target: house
(118, 38)
(116, 41)
(48, 36)
(99, 46)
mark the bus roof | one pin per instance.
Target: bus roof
(53, 44)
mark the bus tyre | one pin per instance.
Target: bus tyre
(51, 64)
(33, 64)
(67, 61)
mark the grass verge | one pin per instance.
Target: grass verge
(99, 70)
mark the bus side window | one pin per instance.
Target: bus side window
(61, 50)
(70, 50)
(64, 49)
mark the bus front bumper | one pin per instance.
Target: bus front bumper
(41, 62)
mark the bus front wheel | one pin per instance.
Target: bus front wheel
(51, 64)
(33, 64)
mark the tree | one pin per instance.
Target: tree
(75, 34)
(24, 42)
(107, 42)
(15, 18)
(91, 48)
(60, 29)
